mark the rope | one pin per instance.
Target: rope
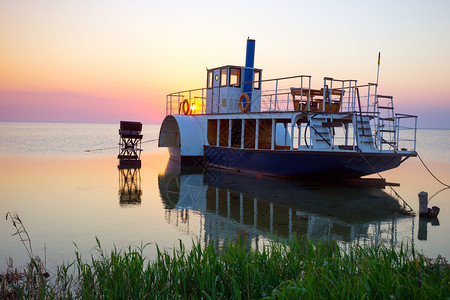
(101, 149)
(406, 203)
(148, 141)
(431, 173)
(438, 192)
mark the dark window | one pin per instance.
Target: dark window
(212, 132)
(210, 79)
(236, 133)
(265, 134)
(257, 79)
(235, 77)
(250, 133)
(223, 77)
(223, 135)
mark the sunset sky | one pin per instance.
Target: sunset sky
(105, 61)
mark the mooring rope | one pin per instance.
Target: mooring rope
(101, 149)
(438, 192)
(397, 194)
(148, 141)
(431, 173)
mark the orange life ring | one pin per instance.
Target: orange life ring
(185, 107)
(247, 102)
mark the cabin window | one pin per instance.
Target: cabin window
(223, 135)
(265, 134)
(257, 80)
(223, 77)
(250, 133)
(209, 84)
(235, 77)
(236, 132)
(212, 132)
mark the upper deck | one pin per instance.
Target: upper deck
(295, 93)
(239, 93)
(292, 99)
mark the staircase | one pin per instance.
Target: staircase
(364, 133)
(320, 136)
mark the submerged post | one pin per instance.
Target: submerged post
(248, 72)
(426, 215)
(424, 210)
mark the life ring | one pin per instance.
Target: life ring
(185, 107)
(247, 102)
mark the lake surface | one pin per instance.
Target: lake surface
(66, 197)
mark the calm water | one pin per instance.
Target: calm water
(67, 197)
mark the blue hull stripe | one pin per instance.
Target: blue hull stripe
(300, 163)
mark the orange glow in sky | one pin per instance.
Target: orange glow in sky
(105, 61)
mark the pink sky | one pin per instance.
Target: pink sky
(70, 107)
(106, 61)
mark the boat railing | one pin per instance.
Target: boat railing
(390, 132)
(294, 93)
(186, 102)
(406, 132)
(275, 97)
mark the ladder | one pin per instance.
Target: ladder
(386, 122)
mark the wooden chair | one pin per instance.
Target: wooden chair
(335, 104)
(305, 94)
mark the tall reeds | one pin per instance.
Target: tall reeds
(292, 269)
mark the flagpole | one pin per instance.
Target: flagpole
(378, 136)
(378, 71)
(378, 75)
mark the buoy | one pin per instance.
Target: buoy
(244, 107)
(185, 107)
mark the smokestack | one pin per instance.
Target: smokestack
(248, 72)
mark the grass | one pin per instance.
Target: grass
(282, 270)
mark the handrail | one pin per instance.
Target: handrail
(401, 116)
(280, 78)
(282, 95)
(234, 84)
(355, 86)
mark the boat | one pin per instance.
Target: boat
(287, 126)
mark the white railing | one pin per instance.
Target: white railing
(409, 127)
(196, 102)
(295, 93)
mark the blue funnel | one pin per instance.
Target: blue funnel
(248, 72)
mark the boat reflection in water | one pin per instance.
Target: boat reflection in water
(223, 204)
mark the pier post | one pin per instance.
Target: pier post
(423, 203)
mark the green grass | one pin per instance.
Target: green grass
(283, 270)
